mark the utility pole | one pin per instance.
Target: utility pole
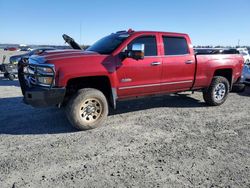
(238, 42)
(80, 33)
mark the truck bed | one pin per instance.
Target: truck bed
(207, 64)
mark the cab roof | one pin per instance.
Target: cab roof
(130, 31)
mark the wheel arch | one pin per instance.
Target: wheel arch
(226, 73)
(101, 83)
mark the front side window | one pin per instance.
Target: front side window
(175, 46)
(149, 44)
(108, 44)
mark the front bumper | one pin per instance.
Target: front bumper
(43, 97)
(38, 96)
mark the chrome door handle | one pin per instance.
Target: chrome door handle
(155, 63)
(189, 62)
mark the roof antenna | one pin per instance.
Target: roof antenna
(80, 33)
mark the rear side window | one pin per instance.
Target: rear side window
(175, 46)
(149, 42)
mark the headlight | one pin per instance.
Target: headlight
(45, 75)
(42, 75)
(44, 70)
(45, 80)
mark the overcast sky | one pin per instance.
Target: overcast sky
(213, 22)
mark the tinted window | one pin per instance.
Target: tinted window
(108, 44)
(149, 42)
(230, 51)
(175, 46)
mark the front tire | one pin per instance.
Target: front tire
(217, 93)
(88, 109)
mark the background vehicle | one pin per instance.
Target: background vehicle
(10, 71)
(25, 49)
(10, 49)
(10, 68)
(201, 51)
(121, 66)
(14, 59)
(246, 74)
(244, 52)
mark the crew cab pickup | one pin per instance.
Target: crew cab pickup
(124, 65)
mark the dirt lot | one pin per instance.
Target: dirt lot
(171, 141)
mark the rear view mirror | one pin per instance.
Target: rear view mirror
(137, 51)
(138, 47)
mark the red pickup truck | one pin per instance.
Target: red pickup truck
(123, 65)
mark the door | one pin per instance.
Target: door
(178, 64)
(140, 77)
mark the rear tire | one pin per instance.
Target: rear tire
(217, 93)
(88, 109)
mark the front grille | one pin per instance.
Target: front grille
(31, 69)
(29, 74)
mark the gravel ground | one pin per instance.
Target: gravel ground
(171, 141)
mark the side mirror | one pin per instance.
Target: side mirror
(137, 51)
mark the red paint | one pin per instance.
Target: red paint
(171, 76)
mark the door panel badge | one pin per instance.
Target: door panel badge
(126, 80)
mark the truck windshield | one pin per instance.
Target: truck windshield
(108, 44)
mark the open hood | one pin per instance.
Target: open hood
(71, 42)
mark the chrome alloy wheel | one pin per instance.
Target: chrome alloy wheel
(219, 91)
(90, 110)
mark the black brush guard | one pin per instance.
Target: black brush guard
(21, 64)
(37, 95)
